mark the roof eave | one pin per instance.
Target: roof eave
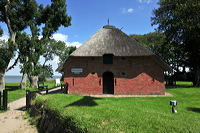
(163, 64)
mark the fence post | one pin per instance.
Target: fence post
(5, 99)
(0, 99)
(61, 87)
(47, 90)
(28, 98)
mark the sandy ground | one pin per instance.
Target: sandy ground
(13, 120)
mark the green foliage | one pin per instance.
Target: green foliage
(1, 32)
(64, 54)
(16, 14)
(46, 72)
(154, 41)
(179, 20)
(5, 54)
(131, 114)
(168, 52)
(53, 16)
(19, 13)
(52, 48)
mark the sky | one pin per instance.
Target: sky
(88, 16)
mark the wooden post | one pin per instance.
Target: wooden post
(61, 87)
(0, 99)
(5, 99)
(47, 90)
(28, 99)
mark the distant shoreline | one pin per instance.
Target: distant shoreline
(17, 78)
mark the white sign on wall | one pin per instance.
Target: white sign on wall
(76, 70)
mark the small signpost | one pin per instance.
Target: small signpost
(174, 103)
(76, 70)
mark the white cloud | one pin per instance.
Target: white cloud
(64, 38)
(60, 37)
(4, 37)
(144, 1)
(55, 60)
(129, 10)
(77, 44)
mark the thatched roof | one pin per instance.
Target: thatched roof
(110, 40)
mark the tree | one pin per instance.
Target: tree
(24, 46)
(179, 20)
(64, 54)
(45, 22)
(156, 42)
(50, 48)
(51, 17)
(16, 15)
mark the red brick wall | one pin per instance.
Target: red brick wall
(132, 75)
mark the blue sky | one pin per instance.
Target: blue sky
(88, 16)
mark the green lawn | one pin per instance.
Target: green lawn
(185, 83)
(14, 91)
(136, 114)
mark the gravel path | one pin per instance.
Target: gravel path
(13, 120)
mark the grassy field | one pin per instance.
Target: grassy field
(184, 83)
(125, 115)
(14, 91)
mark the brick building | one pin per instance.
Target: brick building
(111, 62)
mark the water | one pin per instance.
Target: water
(12, 79)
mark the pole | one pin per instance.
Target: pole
(174, 109)
(5, 99)
(28, 99)
(0, 99)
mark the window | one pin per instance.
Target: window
(107, 59)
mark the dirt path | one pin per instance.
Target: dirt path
(13, 120)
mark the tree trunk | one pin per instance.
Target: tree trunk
(12, 39)
(23, 81)
(2, 83)
(2, 74)
(33, 81)
(198, 78)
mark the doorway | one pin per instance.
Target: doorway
(108, 83)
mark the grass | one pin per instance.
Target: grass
(184, 83)
(132, 114)
(14, 91)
